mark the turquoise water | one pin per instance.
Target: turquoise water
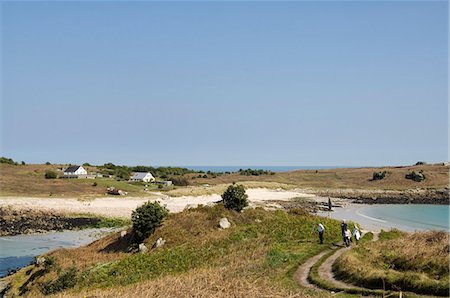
(19, 251)
(410, 218)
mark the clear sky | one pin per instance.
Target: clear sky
(225, 83)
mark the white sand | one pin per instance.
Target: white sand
(121, 206)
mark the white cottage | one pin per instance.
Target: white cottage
(75, 171)
(142, 176)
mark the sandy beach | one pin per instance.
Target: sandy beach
(123, 206)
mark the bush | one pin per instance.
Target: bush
(179, 181)
(379, 175)
(50, 175)
(415, 176)
(147, 218)
(66, 279)
(420, 163)
(235, 197)
(7, 161)
(48, 163)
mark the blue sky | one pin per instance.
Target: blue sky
(225, 83)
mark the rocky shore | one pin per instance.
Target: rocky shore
(411, 196)
(28, 221)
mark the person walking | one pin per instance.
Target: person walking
(343, 229)
(347, 236)
(320, 230)
(356, 233)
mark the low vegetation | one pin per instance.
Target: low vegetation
(235, 198)
(260, 252)
(408, 262)
(379, 175)
(251, 172)
(416, 176)
(146, 219)
(50, 175)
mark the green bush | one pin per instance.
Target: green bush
(379, 175)
(50, 175)
(7, 161)
(235, 197)
(415, 176)
(66, 279)
(147, 218)
(179, 181)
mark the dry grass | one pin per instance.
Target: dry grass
(220, 188)
(210, 282)
(259, 254)
(416, 262)
(437, 176)
(29, 180)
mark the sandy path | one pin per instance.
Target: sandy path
(120, 206)
(301, 275)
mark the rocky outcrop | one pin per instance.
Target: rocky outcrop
(410, 196)
(27, 221)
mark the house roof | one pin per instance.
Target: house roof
(140, 175)
(71, 169)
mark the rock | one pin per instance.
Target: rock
(143, 248)
(123, 234)
(257, 220)
(160, 242)
(40, 261)
(224, 223)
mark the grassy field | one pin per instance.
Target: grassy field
(258, 254)
(29, 180)
(437, 176)
(410, 262)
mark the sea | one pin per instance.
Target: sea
(21, 250)
(223, 169)
(405, 217)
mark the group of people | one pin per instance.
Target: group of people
(346, 234)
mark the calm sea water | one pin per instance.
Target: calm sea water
(222, 169)
(19, 251)
(404, 217)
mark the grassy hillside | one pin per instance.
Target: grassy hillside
(415, 262)
(29, 180)
(256, 256)
(437, 176)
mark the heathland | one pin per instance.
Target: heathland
(353, 183)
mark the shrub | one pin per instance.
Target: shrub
(147, 218)
(7, 161)
(50, 175)
(23, 163)
(179, 181)
(66, 279)
(420, 163)
(235, 197)
(48, 163)
(379, 175)
(415, 176)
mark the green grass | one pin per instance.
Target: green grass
(262, 244)
(103, 221)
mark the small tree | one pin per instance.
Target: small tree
(147, 218)
(48, 163)
(235, 197)
(379, 175)
(50, 175)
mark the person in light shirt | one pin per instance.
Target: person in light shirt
(320, 230)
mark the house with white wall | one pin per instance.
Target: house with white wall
(142, 176)
(74, 171)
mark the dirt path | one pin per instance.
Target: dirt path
(325, 270)
(301, 275)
